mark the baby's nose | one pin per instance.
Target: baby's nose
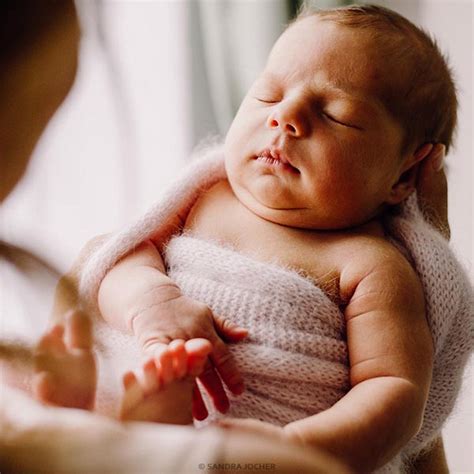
(290, 119)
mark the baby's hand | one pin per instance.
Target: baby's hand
(165, 314)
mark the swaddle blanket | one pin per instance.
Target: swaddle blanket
(295, 359)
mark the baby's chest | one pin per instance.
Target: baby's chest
(218, 216)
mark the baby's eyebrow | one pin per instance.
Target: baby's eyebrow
(340, 88)
(335, 85)
(337, 88)
(343, 90)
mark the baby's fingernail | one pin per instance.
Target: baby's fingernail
(438, 159)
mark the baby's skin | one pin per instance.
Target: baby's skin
(313, 159)
(164, 393)
(66, 374)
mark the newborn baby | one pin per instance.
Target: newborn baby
(324, 147)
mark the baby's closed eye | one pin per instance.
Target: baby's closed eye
(267, 99)
(341, 114)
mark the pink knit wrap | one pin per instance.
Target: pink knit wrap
(295, 359)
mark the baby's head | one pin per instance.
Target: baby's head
(330, 133)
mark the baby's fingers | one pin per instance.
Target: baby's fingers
(197, 351)
(199, 407)
(164, 362)
(229, 331)
(151, 380)
(213, 385)
(180, 358)
(227, 368)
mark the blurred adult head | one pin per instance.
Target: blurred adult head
(38, 60)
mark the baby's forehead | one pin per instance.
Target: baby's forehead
(354, 59)
(344, 57)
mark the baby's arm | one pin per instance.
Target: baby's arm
(137, 296)
(391, 352)
(136, 282)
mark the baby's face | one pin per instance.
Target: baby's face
(311, 145)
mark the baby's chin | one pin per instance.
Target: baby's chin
(295, 217)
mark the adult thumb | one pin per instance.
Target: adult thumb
(432, 190)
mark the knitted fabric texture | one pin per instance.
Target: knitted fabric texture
(295, 360)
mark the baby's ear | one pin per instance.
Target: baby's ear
(408, 174)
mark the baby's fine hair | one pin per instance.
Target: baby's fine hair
(424, 100)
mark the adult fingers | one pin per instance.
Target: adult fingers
(133, 393)
(66, 295)
(43, 386)
(52, 342)
(78, 330)
(432, 190)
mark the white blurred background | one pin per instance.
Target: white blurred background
(158, 76)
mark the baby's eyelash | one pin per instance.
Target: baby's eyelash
(333, 119)
(330, 117)
(266, 101)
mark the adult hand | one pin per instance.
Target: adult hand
(64, 364)
(66, 297)
(432, 189)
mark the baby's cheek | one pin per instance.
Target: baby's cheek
(334, 181)
(340, 193)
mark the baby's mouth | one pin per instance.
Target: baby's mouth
(276, 158)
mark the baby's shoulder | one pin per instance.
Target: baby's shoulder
(371, 250)
(372, 255)
(210, 208)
